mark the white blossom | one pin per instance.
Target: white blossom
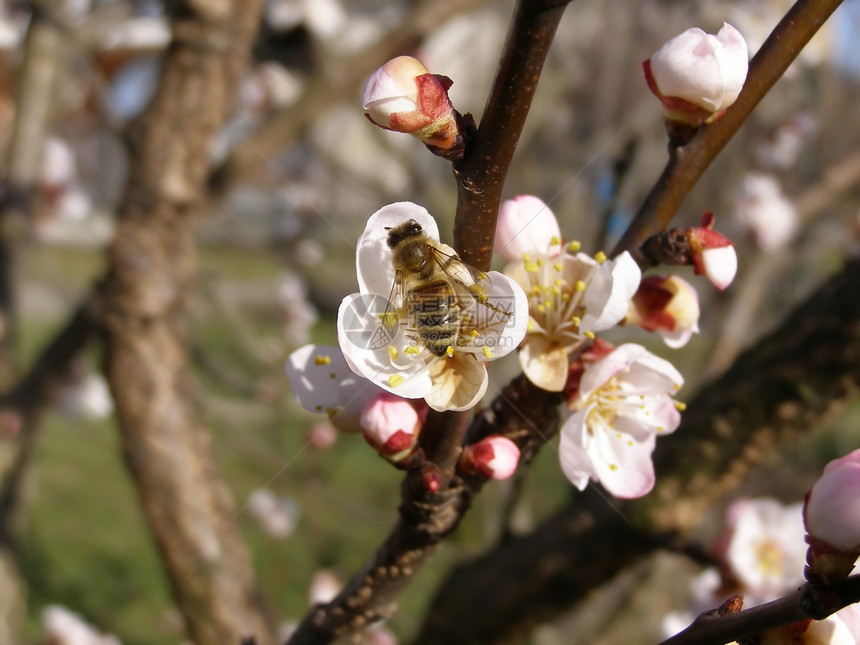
(396, 360)
(623, 404)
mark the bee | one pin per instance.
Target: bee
(435, 294)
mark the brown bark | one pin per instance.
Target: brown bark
(152, 267)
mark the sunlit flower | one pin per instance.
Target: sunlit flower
(526, 224)
(765, 551)
(571, 297)
(713, 254)
(832, 516)
(321, 381)
(494, 457)
(403, 96)
(384, 345)
(667, 305)
(276, 515)
(697, 75)
(624, 401)
(391, 425)
(764, 209)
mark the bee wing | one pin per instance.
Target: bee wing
(392, 315)
(470, 281)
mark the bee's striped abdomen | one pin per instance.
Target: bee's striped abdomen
(435, 315)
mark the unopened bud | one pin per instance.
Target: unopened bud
(391, 425)
(697, 76)
(494, 457)
(668, 305)
(404, 97)
(831, 513)
(712, 253)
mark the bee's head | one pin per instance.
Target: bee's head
(396, 234)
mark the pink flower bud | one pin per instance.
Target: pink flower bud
(832, 516)
(391, 425)
(404, 97)
(526, 225)
(697, 75)
(493, 457)
(713, 254)
(668, 305)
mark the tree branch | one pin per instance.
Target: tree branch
(687, 163)
(481, 174)
(151, 273)
(809, 602)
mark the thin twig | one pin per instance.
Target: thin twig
(808, 602)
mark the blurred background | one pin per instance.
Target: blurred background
(298, 171)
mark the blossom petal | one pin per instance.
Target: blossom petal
(544, 362)
(625, 469)
(315, 372)
(526, 224)
(609, 293)
(373, 257)
(575, 461)
(368, 354)
(501, 322)
(458, 382)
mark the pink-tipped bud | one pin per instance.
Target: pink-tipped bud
(668, 305)
(431, 478)
(697, 76)
(712, 253)
(526, 225)
(831, 513)
(391, 425)
(493, 457)
(404, 97)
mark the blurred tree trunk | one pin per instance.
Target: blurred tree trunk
(152, 269)
(23, 167)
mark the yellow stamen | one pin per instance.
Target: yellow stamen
(554, 240)
(449, 351)
(574, 246)
(479, 292)
(487, 352)
(589, 334)
(392, 352)
(580, 285)
(475, 333)
(412, 350)
(679, 406)
(395, 379)
(531, 267)
(322, 360)
(600, 257)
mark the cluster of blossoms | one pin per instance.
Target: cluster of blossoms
(621, 397)
(763, 548)
(550, 303)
